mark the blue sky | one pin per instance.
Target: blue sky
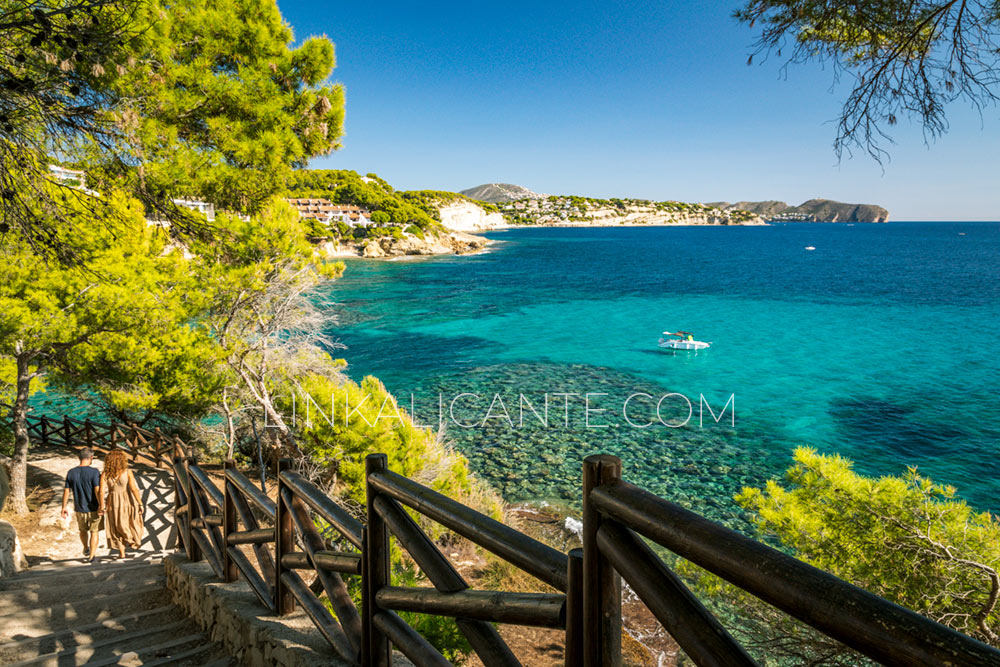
(651, 100)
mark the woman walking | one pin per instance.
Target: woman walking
(122, 503)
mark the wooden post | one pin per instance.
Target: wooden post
(602, 586)
(67, 439)
(183, 536)
(114, 441)
(229, 570)
(194, 551)
(284, 543)
(45, 430)
(574, 609)
(158, 445)
(88, 434)
(376, 572)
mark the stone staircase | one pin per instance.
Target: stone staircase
(115, 613)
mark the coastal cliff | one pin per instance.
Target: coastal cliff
(467, 216)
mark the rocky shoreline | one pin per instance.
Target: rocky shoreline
(387, 247)
(464, 222)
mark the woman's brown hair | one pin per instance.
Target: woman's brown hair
(115, 463)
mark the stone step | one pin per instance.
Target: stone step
(134, 651)
(206, 655)
(89, 633)
(115, 644)
(66, 615)
(78, 576)
(77, 568)
(32, 598)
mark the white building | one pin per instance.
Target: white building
(326, 212)
(205, 208)
(69, 177)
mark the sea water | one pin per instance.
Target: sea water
(881, 344)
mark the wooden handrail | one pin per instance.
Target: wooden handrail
(71, 432)
(871, 625)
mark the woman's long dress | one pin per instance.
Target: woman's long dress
(124, 515)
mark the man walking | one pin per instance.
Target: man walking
(85, 481)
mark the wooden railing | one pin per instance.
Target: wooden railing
(619, 520)
(69, 432)
(475, 611)
(617, 513)
(586, 604)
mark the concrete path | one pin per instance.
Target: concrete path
(48, 466)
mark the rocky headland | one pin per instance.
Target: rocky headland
(814, 210)
(385, 247)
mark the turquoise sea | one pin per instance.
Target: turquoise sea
(881, 344)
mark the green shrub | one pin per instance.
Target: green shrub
(903, 537)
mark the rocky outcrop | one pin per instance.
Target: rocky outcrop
(465, 216)
(12, 559)
(440, 243)
(814, 210)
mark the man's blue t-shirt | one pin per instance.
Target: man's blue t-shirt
(83, 480)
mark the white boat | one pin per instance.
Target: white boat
(681, 340)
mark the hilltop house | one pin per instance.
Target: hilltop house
(326, 212)
(71, 177)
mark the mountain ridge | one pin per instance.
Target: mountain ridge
(498, 193)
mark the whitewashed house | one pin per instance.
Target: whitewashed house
(327, 213)
(205, 208)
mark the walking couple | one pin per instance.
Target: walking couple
(108, 500)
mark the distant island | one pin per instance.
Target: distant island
(814, 210)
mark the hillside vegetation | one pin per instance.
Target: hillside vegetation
(390, 209)
(576, 210)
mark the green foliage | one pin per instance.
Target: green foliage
(117, 324)
(905, 538)
(218, 104)
(58, 59)
(348, 421)
(441, 631)
(903, 58)
(348, 187)
(430, 200)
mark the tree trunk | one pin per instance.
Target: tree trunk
(17, 501)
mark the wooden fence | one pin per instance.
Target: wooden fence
(618, 520)
(154, 446)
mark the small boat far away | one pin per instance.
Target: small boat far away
(810, 247)
(681, 340)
